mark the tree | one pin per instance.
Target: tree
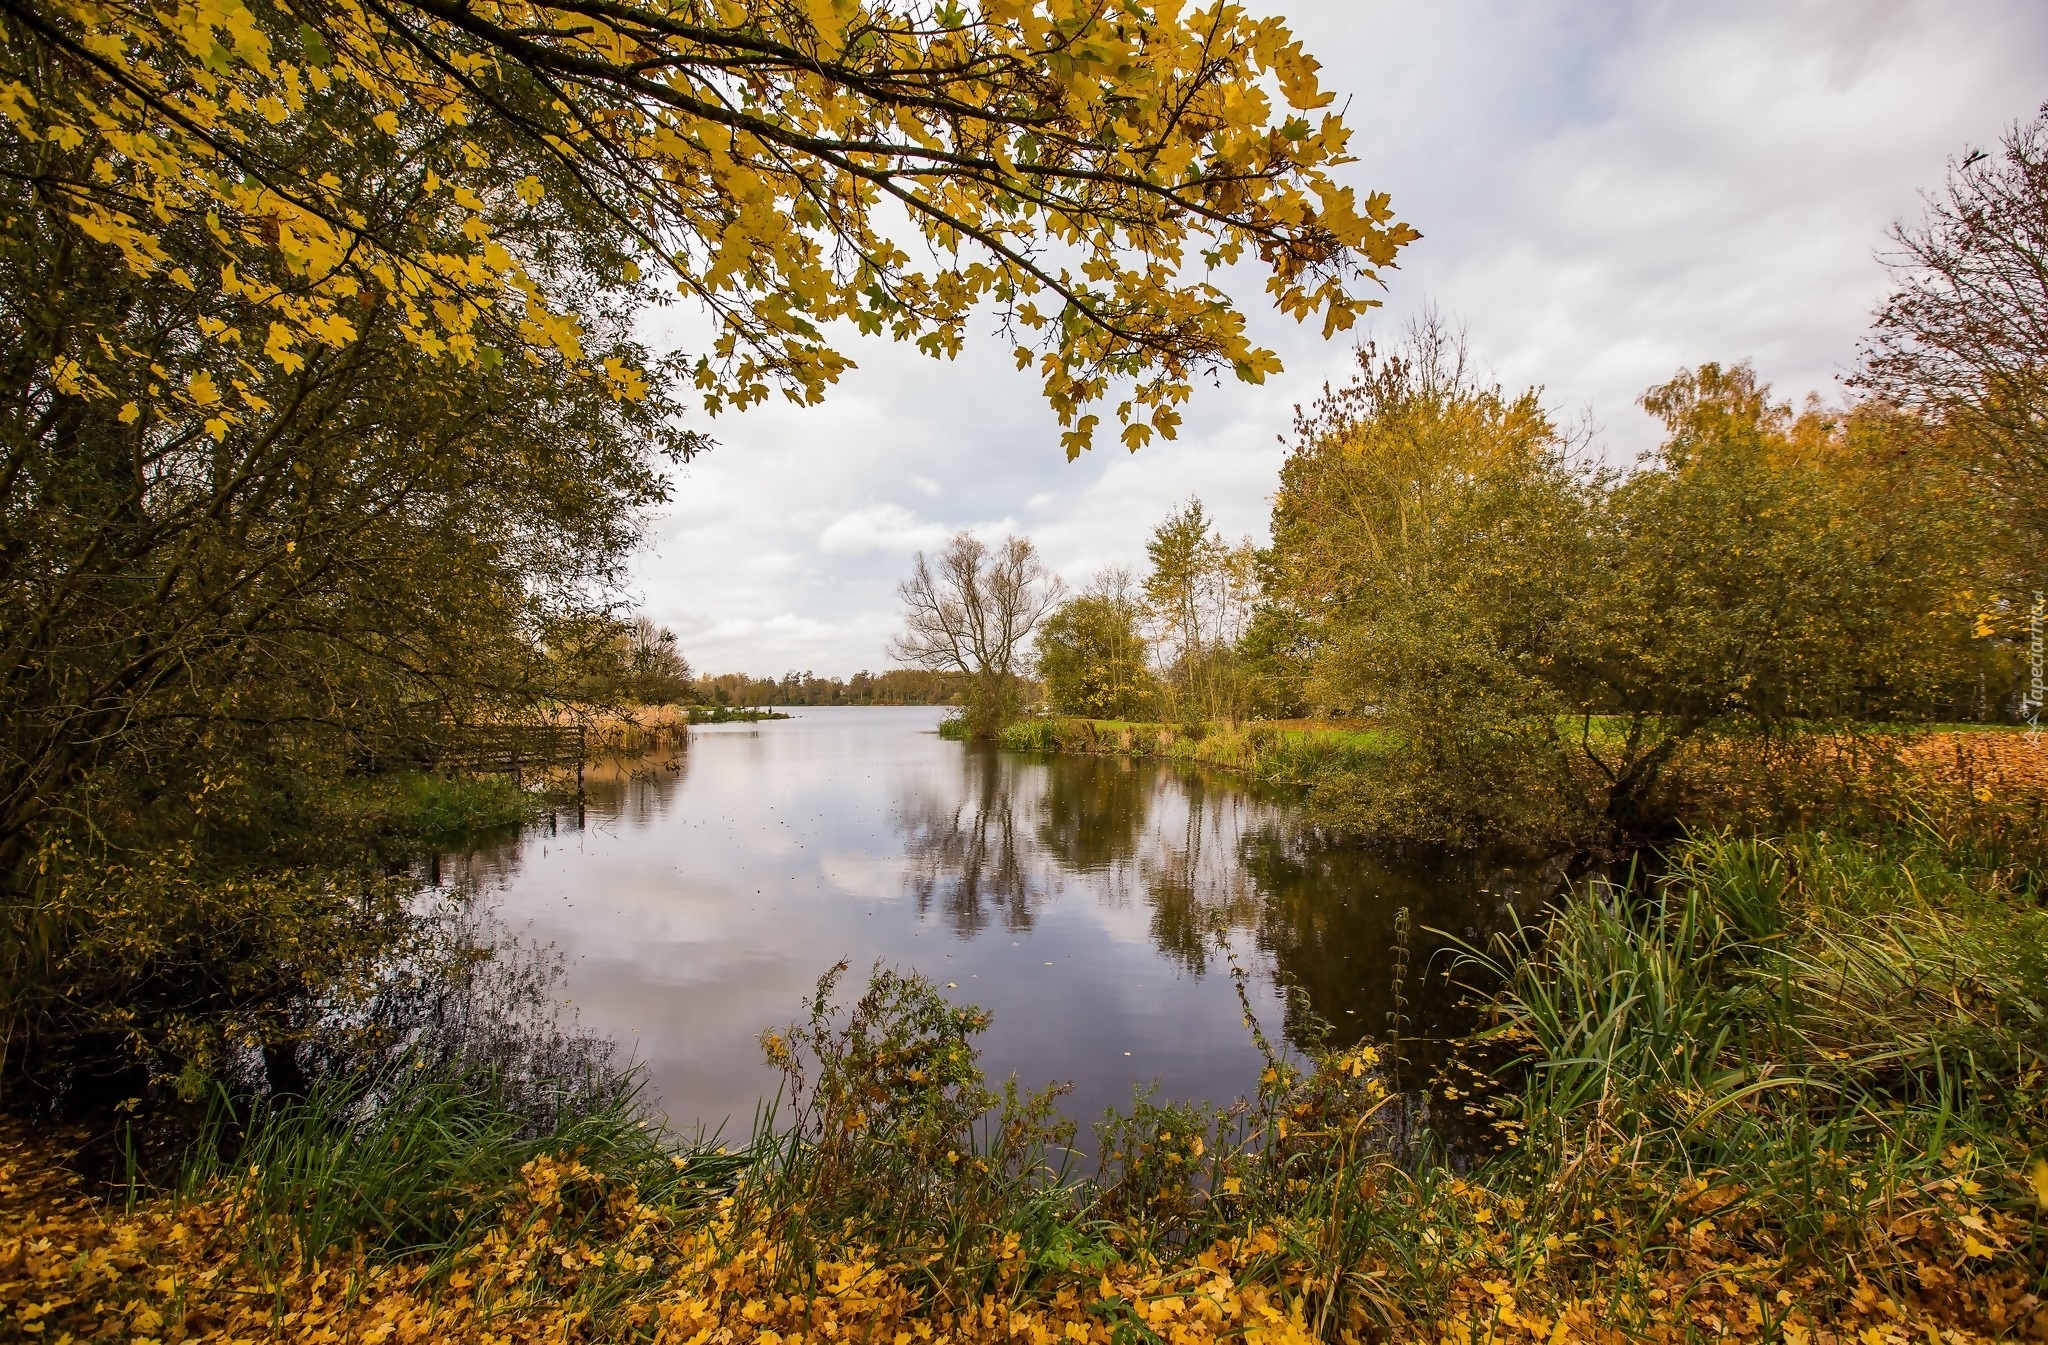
(1201, 591)
(348, 542)
(1063, 161)
(1541, 638)
(379, 542)
(971, 612)
(1274, 658)
(210, 622)
(1963, 340)
(1092, 655)
(1183, 552)
(652, 670)
(1424, 527)
(1766, 571)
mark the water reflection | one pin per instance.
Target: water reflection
(1328, 916)
(970, 852)
(1204, 855)
(1090, 902)
(1016, 829)
(632, 792)
(1195, 888)
(1093, 809)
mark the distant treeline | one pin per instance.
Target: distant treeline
(898, 686)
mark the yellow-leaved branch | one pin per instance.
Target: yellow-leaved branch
(1080, 167)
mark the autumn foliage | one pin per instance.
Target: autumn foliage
(1067, 162)
(324, 434)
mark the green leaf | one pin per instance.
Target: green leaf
(314, 46)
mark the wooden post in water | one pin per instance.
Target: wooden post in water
(582, 752)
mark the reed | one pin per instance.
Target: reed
(1822, 1029)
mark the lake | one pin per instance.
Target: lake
(1096, 905)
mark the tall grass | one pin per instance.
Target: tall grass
(418, 1162)
(1842, 1037)
(417, 808)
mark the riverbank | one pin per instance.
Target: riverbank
(728, 714)
(1801, 780)
(1795, 1089)
(1280, 751)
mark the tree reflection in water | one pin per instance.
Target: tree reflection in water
(1093, 810)
(1328, 908)
(970, 853)
(999, 847)
(635, 791)
(464, 995)
(1193, 883)
(1208, 857)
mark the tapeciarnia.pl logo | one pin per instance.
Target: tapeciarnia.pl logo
(2037, 688)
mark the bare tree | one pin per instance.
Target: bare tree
(971, 609)
(1963, 340)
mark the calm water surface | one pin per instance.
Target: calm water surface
(1095, 904)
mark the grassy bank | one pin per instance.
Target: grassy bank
(1793, 1089)
(1353, 778)
(417, 808)
(1285, 751)
(728, 714)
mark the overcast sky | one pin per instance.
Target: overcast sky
(1607, 192)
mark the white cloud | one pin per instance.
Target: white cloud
(879, 527)
(1606, 194)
